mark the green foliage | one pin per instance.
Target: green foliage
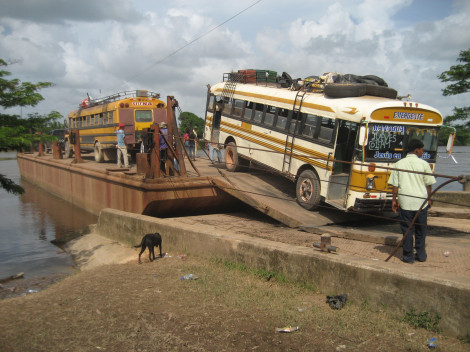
(10, 186)
(17, 133)
(188, 120)
(423, 320)
(16, 93)
(460, 74)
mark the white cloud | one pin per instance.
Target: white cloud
(102, 47)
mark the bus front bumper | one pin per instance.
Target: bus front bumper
(372, 205)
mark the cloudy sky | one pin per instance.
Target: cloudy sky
(177, 47)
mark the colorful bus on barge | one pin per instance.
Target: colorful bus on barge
(96, 121)
(333, 148)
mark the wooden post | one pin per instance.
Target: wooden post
(77, 153)
(56, 151)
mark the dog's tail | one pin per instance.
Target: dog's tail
(140, 245)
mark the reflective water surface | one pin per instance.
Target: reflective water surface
(29, 222)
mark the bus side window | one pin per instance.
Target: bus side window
(282, 117)
(295, 123)
(110, 117)
(327, 128)
(309, 126)
(228, 102)
(101, 119)
(259, 109)
(238, 106)
(269, 116)
(248, 110)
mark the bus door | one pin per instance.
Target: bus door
(216, 117)
(126, 116)
(344, 151)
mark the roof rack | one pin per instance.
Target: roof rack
(121, 95)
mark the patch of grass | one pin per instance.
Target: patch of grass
(423, 320)
(263, 274)
(466, 338)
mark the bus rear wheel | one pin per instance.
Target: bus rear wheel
(307, 190)
(99, 155)
(232, 161)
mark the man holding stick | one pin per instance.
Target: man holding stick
(410, 190)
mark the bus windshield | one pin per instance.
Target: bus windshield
(389, 142)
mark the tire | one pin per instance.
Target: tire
(67, 149)
(379, 91)
(307, 190)
(375, 79)
(339, 90)
(99, 155)
(231, 158)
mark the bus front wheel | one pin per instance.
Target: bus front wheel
(308, 190)
(99, 155)
(232, 161)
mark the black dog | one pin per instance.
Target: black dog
(149, 241)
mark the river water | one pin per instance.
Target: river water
(29, 222)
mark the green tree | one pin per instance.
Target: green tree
(188, 120)
(17, 133)
(460, 76)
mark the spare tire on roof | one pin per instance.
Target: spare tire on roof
(380, 91)
(340, 90)
(375, 79)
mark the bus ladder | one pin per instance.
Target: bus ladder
(289, 146)
(230, 86)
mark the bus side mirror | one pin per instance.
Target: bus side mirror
(363, 136)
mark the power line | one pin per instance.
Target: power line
(192, 41)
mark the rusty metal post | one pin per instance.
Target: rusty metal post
(154, 169)
(325, 242)
(174, 134)
(465, 181)
(142, 163)
(77, 153)
(40, 149)
(56, 151)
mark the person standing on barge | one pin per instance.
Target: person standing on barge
(121, 146)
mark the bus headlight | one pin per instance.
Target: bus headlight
(370, 182)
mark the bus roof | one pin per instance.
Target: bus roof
(136, 99)
(353, 109)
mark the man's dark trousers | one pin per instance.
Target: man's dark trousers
(419, 230)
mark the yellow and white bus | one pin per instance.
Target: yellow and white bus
(332, 148)
(96, 121)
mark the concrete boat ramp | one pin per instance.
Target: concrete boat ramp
(440, 285)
